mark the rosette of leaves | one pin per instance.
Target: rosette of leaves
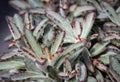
(62, 41)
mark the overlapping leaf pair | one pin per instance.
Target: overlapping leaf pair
(62, 41)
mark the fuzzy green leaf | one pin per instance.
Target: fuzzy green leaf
(35, 46)
(14, 30)
(39, 27)
(87, 24)
(98, 48)
(111, 13)
(99, 76)
(69, 39)
(20, 5)
(57, 43)
(30, 65)
(35, 3)
(60, 21)
(68, 50)
(11, 65)
(87, 60)
(26, 75)
(80, 10)
(67, 66)
(8, 55)
(19, 22)
(28, 21)
(77, 28)
(73, 47)
(115, 64)
(75, 55)
(37, 11)
(81, 72)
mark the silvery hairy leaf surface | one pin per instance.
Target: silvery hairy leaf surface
(63, 41)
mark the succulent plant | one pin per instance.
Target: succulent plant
(63, 41)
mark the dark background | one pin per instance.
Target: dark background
(5, 10)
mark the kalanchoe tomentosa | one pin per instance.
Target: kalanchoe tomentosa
(63, 41)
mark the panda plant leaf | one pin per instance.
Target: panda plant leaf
(63, 41)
